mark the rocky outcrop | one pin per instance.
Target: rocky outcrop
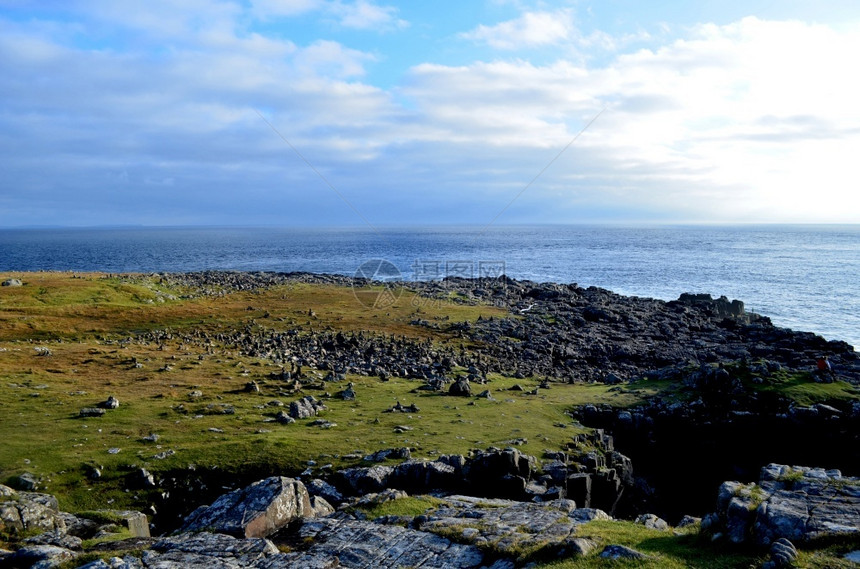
(560, 331)
(258, 510)
(796, 503)
(54, 537)
(28, 512)
(37, 556)
(511, 527)
(502, 473)
(198, 551)
(357, 544)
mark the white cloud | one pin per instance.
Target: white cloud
(529, 30)
(362, 14)
(357, 14)
(753, 121)
(737, 122)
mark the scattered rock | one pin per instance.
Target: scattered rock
(398, 408)
(401, 453)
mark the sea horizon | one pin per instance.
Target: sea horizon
(802, 276)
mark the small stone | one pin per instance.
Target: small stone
(111, 403)
(27, 482)
(284, 418)
(651, 521)
(621, 552)
(91, 412)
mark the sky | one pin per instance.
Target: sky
(375, 112)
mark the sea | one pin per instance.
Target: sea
(803, 277)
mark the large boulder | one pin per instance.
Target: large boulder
(424, 475)
(362, 480)
(500, 472)
(460, 388)
(800, 504)
(307, 406)
(39, 556)
(258, 510)
(28, 512)
(322, 489)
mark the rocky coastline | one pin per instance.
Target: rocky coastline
(721, 435)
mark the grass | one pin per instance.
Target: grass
(801, 387)
(86, 321)
(410, 506)
(92, 326)
(664, 549)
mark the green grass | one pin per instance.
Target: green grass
(665, 550)
(805, 391)
(801, 387)
(410, 506)
(81, 320)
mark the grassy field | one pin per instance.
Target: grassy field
(194, 399)
(69, 341)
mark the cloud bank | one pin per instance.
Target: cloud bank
(151, 115)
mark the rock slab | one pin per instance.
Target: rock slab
(799, 504)
(258, 510)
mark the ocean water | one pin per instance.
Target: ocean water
(802, 277)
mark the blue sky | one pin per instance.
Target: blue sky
(304, 112)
